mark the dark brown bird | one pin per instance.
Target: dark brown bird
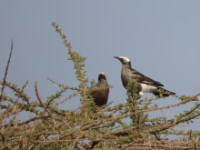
(100, 91)
(147, 85)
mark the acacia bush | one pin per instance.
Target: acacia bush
(89, 126)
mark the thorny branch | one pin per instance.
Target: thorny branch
(46, 125)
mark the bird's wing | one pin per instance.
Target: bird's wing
(144, 79)
(94, 89)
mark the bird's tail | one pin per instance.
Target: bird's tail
(161, 92)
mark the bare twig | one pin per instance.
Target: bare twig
(37, 94)
(39, 98)
(22, 89)
(34, 119)
(6, 71)
(63, 86)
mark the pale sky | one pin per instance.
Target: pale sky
(160, 37)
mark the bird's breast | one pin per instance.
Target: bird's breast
(125, 77)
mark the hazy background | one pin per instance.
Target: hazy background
(160, 37)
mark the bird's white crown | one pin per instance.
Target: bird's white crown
(102, 73)
(125, 58)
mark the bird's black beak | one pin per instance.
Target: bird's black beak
(116, 57)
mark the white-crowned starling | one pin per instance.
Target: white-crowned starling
(147, 85)
(100, 91)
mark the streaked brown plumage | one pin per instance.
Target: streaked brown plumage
(100, 91)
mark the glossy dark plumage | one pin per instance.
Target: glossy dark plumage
(100, 91)
(146, 84)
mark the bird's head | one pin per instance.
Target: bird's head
(102, 76)
(124, 60)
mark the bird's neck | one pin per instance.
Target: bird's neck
(103, 82)
(127, 65)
